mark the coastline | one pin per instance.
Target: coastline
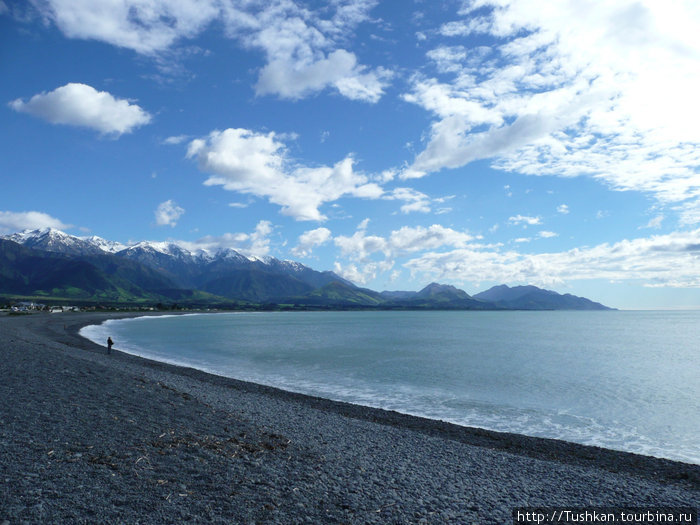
(287, 456)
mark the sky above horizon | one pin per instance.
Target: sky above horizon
(470, 143)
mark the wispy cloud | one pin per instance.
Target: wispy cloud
(175, 140)
(654, 223)
(566, 91)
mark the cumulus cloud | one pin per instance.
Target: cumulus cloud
(303, 56)
(293, 78)
(257, 163)
(563, 209)
(310, 240)
(11, 221)
(566, 91)
(82, 105)
(168, 213)
(664, 260)
(442, 254)
(364, 273)
(362, 248)
(406, 239)
(412, 239)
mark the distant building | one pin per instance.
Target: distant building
(61, 309)
(27, 306)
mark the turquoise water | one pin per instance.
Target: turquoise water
(622, 380)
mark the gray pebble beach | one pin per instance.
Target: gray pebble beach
(87, 437)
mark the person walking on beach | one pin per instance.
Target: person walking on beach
(109, 345)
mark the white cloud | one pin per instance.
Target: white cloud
(259, 239)
(654, 223)
(566, 91)
(448, 59)
(362, 274)
(82, 105)
(563, 209)
(302, 47)
(524, 219)
(302, 56)
(257, 163)
(309, 240)
(665, 260)
(11, 221)
(360, 248)
(168, 213)
(145, 26)
(175, 140)
(291, 78)
(415, 201)
(256, 243)
(544, 234)
(406, 239)
(412, 239)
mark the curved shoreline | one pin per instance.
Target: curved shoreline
(514, 468)
(371, 401)
(538, 447)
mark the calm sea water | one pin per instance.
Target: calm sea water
(622, 380)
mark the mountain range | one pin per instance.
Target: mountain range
(53, 265)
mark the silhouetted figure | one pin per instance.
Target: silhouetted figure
(109, 345)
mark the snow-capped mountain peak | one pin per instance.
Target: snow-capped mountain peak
(224, 272)
(148, 252)
(104, 244)
(53, 240)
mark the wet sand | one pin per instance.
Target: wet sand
(87, 437)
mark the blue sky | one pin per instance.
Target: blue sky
(397, 143)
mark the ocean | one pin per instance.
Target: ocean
(625, 380)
